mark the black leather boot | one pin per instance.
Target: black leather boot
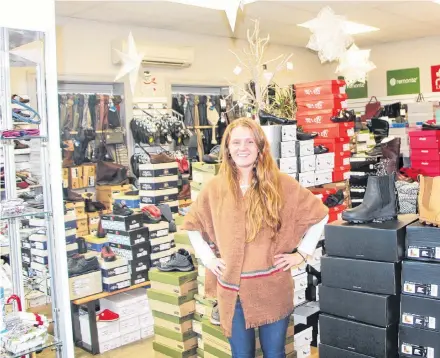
(380, 202)
(380, 128)
(265, 118)
(391, 155)
(82, 246)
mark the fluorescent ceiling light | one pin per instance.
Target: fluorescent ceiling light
(353, 28)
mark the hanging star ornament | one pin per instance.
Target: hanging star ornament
(355, 64)
(231, 9)
(329, 35)
(131, 63)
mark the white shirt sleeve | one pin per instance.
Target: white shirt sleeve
(201, 247)
(311, 238)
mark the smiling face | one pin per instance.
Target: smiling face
(243, 147)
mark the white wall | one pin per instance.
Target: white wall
(84, 50)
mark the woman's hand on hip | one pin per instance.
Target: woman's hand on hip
(287, 261)
(216, 266)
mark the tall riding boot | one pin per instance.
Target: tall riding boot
(429, 203)
(391, 155)
(380, 128)
(380, 202)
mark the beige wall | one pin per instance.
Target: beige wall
(84, 49)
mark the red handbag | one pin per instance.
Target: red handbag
(372, 109)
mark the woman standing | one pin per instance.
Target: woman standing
(255, 217)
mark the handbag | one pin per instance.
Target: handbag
(371, 109)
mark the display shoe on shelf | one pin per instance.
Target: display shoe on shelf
(122, 210)
(107, 316)
(17, 98)
(428, 200)
(89, 207)
(161, 158)
(81, 265)
(213, 157)
(82, 246)
(19, 145)
(70, 195)
(380, 202)
(300, 135)
(180, 261)
(98, 205)
(320, 149)
(215, 315)
(107, 254)
(152, 214)
(391, 153)
(335, 199)
(430, 126)
(100, 233)
(267, 118)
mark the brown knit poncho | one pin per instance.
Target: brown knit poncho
(266, 294)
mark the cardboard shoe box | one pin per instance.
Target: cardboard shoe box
(326, 351)
(113, 268)
(288, 165)
(182, 341)
(162, 243)
(158, 196)
(132, 252)
(85, 285)
(361, 275)
(370, 308)
(374, 241)
(128, 238)
(158, 230)
(421, 279)
(158, 170)
(422, 242)
(305, 148)
(307, 163)
(163, 351)
(121, 223)
(176, 324)
(161, 183)
(358, 337)
(288, 133)
(168, 303)
(181, 283)
(115, 283)
(418, 312)
(139, 265)
(414, 342)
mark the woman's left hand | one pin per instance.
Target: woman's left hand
(287, 261)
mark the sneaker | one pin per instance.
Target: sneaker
(107, 254)
(122, 210)
(81, 265)
(180, 261)
(152, 214)
(215, 315)
(107, 316)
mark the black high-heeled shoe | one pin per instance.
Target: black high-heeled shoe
(265, 118)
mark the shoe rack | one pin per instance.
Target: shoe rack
(29, 41)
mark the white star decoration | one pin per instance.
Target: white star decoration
(355, 64)
(131, 62)
(330, 38)
(231, 9)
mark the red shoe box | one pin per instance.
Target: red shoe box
(334, 145)
(335, 212)
(424, 139)
(316, 117)
(429, 167)
(421, 154)
(341, 173)
(321, 103)
(334, 130)
(342, 159)
(319, 88)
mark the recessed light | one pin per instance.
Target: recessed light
(353, 28)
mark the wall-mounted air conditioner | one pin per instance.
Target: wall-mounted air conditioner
(156, 55)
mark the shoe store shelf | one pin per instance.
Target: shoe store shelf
(6, 140)
(49, 342)
(25, 214)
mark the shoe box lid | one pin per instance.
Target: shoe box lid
(168, 297)
(378, 342)
(361, 275)
(421, 154)
(335, 101)
(326, 351)
(205, 167)
(418, 312)
(123, 223)
(421, 279)
(173, 353)
(428, 167)
(369, 308)
(422, 242)
(158, 170)
(172, 278)
(373, 241)
(128, 238)
(115, 279)
(158, 196)
(414, 342)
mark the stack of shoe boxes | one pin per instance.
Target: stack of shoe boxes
(361, 284)
(420, 313)
(161, 241)
(318, 102)
(420, 112)
(71, 233)
(158, 185)
(106, 194)
(135, 321)
(400, 130)
(172, 302)
(360, 169)
(201, 174)
(128, 239)
(425, 151)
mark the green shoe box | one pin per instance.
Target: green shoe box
(163, 351)
(175, 340)
(179, 220)
(180, 283)
(205, 167)
(181, 237)
(200, 353)
(171, 304)
(173, 323)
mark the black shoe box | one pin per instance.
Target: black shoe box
(160, 229)
(132, 252)
(158, 183)
(422, 242)
(158, 170)
(370, 308)
(373, 341)
(158, 196)
(140, 265)
(326, 351)
(414, 342)
(162, 244)
(128, 238)
(121, 223)
(361, 275)
(139, 277)
(374, 241)
(418, 312)
(421, 279)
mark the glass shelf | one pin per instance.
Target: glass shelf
(25, 214)
(50, 342)
(22, 138)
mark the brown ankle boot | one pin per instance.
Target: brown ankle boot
(185, 193)
(429, 203)
(391, 153)
(68, 159)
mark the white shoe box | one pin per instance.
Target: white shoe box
(304, 338)
(298, 270)
(273, 133)
(128, 325)
(288, 149)
(299, 297)
(316, 258)
(107, 332)
(146, 320)
(288, 165)
(147, 332)
(124, 305)
(306, 179)
(307, 164)
(304, 351)
(305, 147)
(288, 133)
(300, 281)
(130, 337)
(109, 345)
(325, 161)
(323, 177)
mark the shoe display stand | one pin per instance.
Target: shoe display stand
(419, 333)
(33, 222)
(361, 286)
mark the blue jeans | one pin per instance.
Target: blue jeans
(272, 337)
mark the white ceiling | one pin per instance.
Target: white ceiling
(397, 20)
